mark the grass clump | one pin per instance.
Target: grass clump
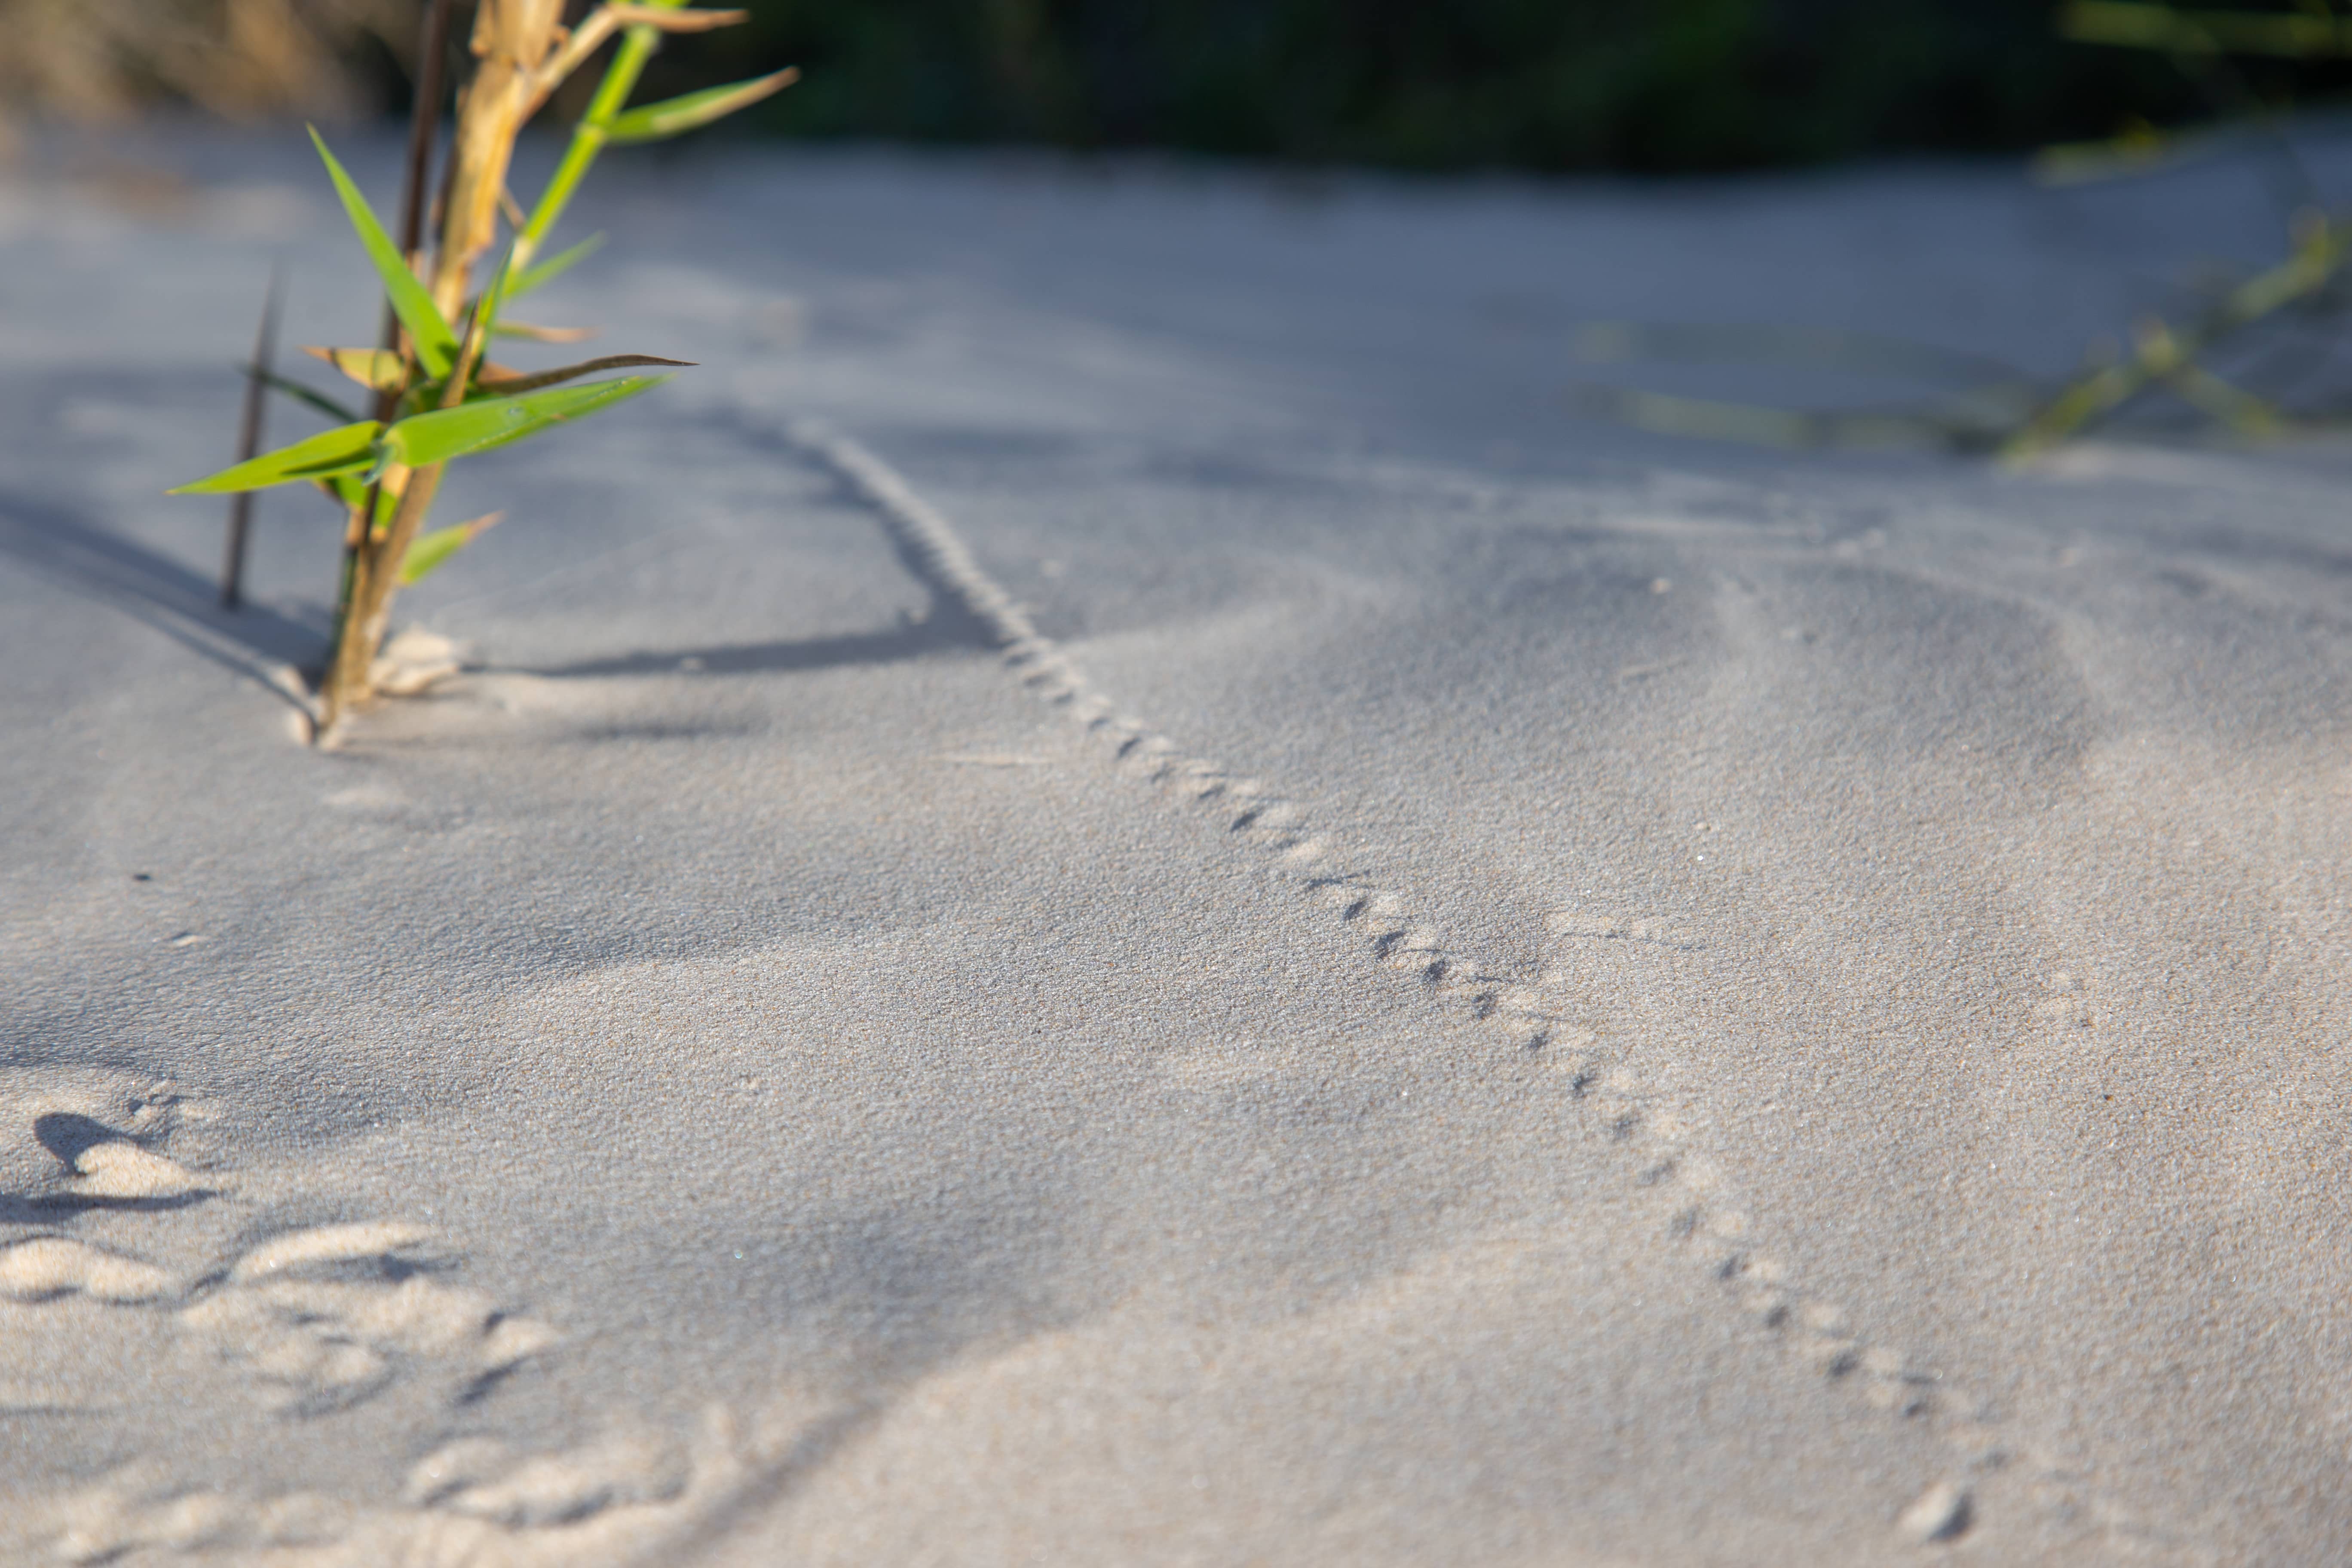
(2000, 410)
(435, 396)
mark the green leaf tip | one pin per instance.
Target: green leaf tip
(338, 451)
(430, 549)
(552, 268)
(449, 433)
(437, 343)
(693, 110)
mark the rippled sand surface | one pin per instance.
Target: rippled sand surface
(1109, 894)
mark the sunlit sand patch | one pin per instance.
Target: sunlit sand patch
(51, 1266)
(368, 1240)
(125, 1170)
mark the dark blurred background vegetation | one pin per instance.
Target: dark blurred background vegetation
(1546, 85)
(1550, 85)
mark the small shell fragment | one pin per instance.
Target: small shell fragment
(1939, 1513)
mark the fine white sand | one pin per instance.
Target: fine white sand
(1197, 929)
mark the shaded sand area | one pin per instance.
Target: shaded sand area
(1108, 896)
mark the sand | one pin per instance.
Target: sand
(1109, 894)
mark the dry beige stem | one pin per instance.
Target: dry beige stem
(607, 20)
(512, 39)
(523, 51)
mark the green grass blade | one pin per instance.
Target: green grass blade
(336, 451)
(486, 315)
(675, 116)
(303, 395)
(431, 550)
(437, 345)
(448, 433)
(637, 46)
(555, 266)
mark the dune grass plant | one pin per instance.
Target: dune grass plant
(1997, 409)
(437, 394)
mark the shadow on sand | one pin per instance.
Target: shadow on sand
(261, 644)
(256, 642)
(942, 627)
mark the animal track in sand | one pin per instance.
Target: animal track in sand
(1705, 1223)
(312, 1321)
(320, 1319)
(96, 1206)
(482, 1478)
(72, 1140)
(43, 1267)
(633, 1494)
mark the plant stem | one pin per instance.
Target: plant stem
(511, 38)
(374, 573)
(514, 41)
(637, 47)
(345, 684)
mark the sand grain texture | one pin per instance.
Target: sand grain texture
(1106, 896)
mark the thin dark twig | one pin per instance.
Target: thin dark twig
(248, 442)
(424, 116)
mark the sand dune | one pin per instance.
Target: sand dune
(1108, 896)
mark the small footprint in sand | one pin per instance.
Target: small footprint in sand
(325, 1317)
(72, 1140)
(482, 1478)
(113, 1192)
(120, 1169)
(374, 1243)
(46, 1267)
(475, 1500)
(315, 1319)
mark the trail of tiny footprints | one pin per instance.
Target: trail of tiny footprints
(1708, 1225)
